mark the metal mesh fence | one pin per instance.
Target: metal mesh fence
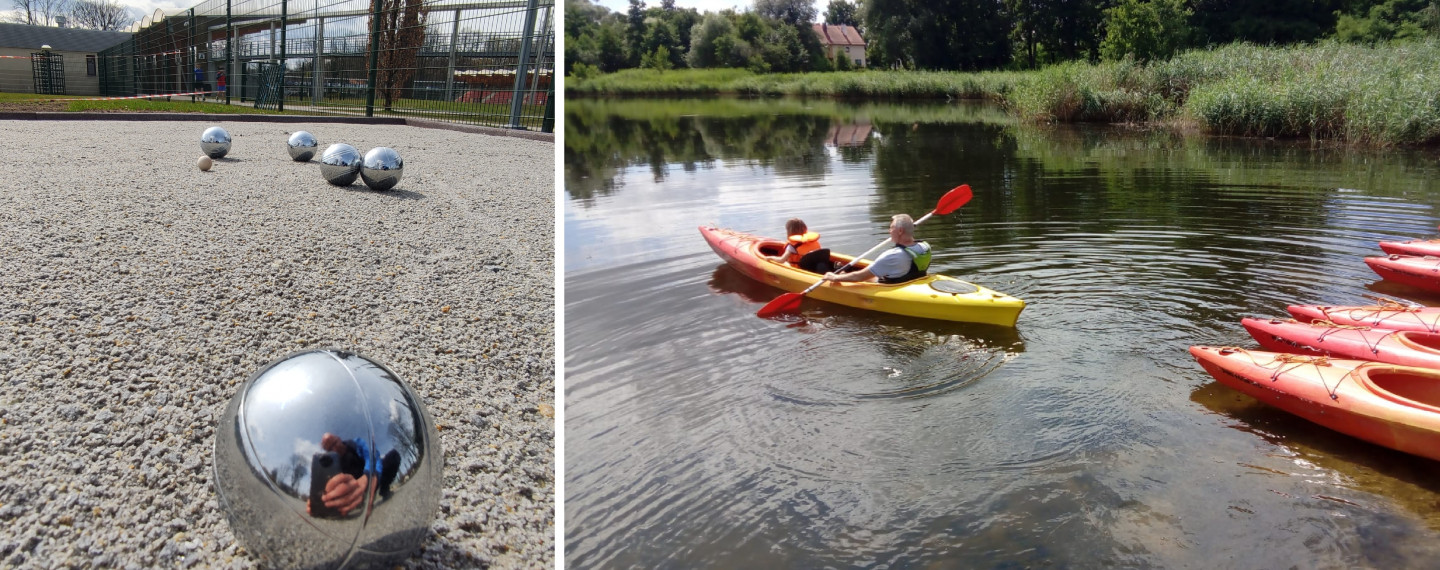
(486, 62)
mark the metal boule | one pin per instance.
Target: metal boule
(340, 164)
(382, 168)
(302, 146)
(324, 459)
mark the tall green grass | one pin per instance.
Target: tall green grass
(1375, 95)
(652, 83)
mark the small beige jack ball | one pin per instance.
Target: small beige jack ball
(204, 163)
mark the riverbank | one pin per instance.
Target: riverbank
(1374, 96)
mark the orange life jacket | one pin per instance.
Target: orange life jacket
(804, 243)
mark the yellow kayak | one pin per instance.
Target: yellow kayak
(931, 297)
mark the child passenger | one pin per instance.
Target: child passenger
(800, 241)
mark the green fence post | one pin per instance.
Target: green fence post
(517, 99)
(374, 58)
(284, 24)
(229, 51)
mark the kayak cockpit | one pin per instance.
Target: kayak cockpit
(1421, 341)
(1413, 387)
(774, 248)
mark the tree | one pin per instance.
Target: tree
(793, 12)
(107, 15)
(595, 36)
(1075, 29)
(783, 50)
(1278, 22)
(582, 16)
(402, 30)
(1145, 29)
(610, 47)
(1028, 17)
(1389, 20)
(1052, 31)
(706, 44)
(936, 34)
(658, 60)
(38, 12)
(635, 30)
(843, 13)
(681, 21)
(662, 34)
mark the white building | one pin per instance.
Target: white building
(76, 47)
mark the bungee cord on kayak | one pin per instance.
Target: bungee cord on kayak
(1390, 351)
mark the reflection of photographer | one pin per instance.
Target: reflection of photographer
(337, 476)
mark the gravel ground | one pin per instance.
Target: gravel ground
(137, 293)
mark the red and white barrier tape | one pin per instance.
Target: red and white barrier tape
(150, 96)
(112, 56)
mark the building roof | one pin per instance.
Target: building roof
(838, 35)
(25, 36)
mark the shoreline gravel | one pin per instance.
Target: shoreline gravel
(137, 293)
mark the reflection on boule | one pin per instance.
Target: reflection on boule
(215, 142)
(340, 164)
(382, 168)
(326, 456)
(302, 146)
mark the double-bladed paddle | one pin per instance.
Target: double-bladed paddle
(790, 302)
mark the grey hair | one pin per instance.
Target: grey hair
(905, 223)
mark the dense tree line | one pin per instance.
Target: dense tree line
(776, 35)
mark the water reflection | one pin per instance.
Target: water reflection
(1321, 454)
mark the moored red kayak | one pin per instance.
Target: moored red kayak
(1386, 404)
(933, 296)
(1390, 316)
(1418, 247)
(1412, 270)
(1407, 348)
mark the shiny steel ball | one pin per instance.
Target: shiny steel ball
(215, 141)
(382, 168)
(326, 458)
(302, 146)
(340, 164)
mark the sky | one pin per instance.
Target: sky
(142, 8)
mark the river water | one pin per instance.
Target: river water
(699, 435)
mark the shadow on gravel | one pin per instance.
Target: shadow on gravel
(398, 194)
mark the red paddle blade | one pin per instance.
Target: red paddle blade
(954, 199)
(787, 303)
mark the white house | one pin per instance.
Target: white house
(840, 41)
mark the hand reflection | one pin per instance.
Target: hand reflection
(344, 492)
(338, 480)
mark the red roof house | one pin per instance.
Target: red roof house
(841, 40)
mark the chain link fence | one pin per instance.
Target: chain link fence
(486, 62)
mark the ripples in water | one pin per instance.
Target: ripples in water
(698, 434)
